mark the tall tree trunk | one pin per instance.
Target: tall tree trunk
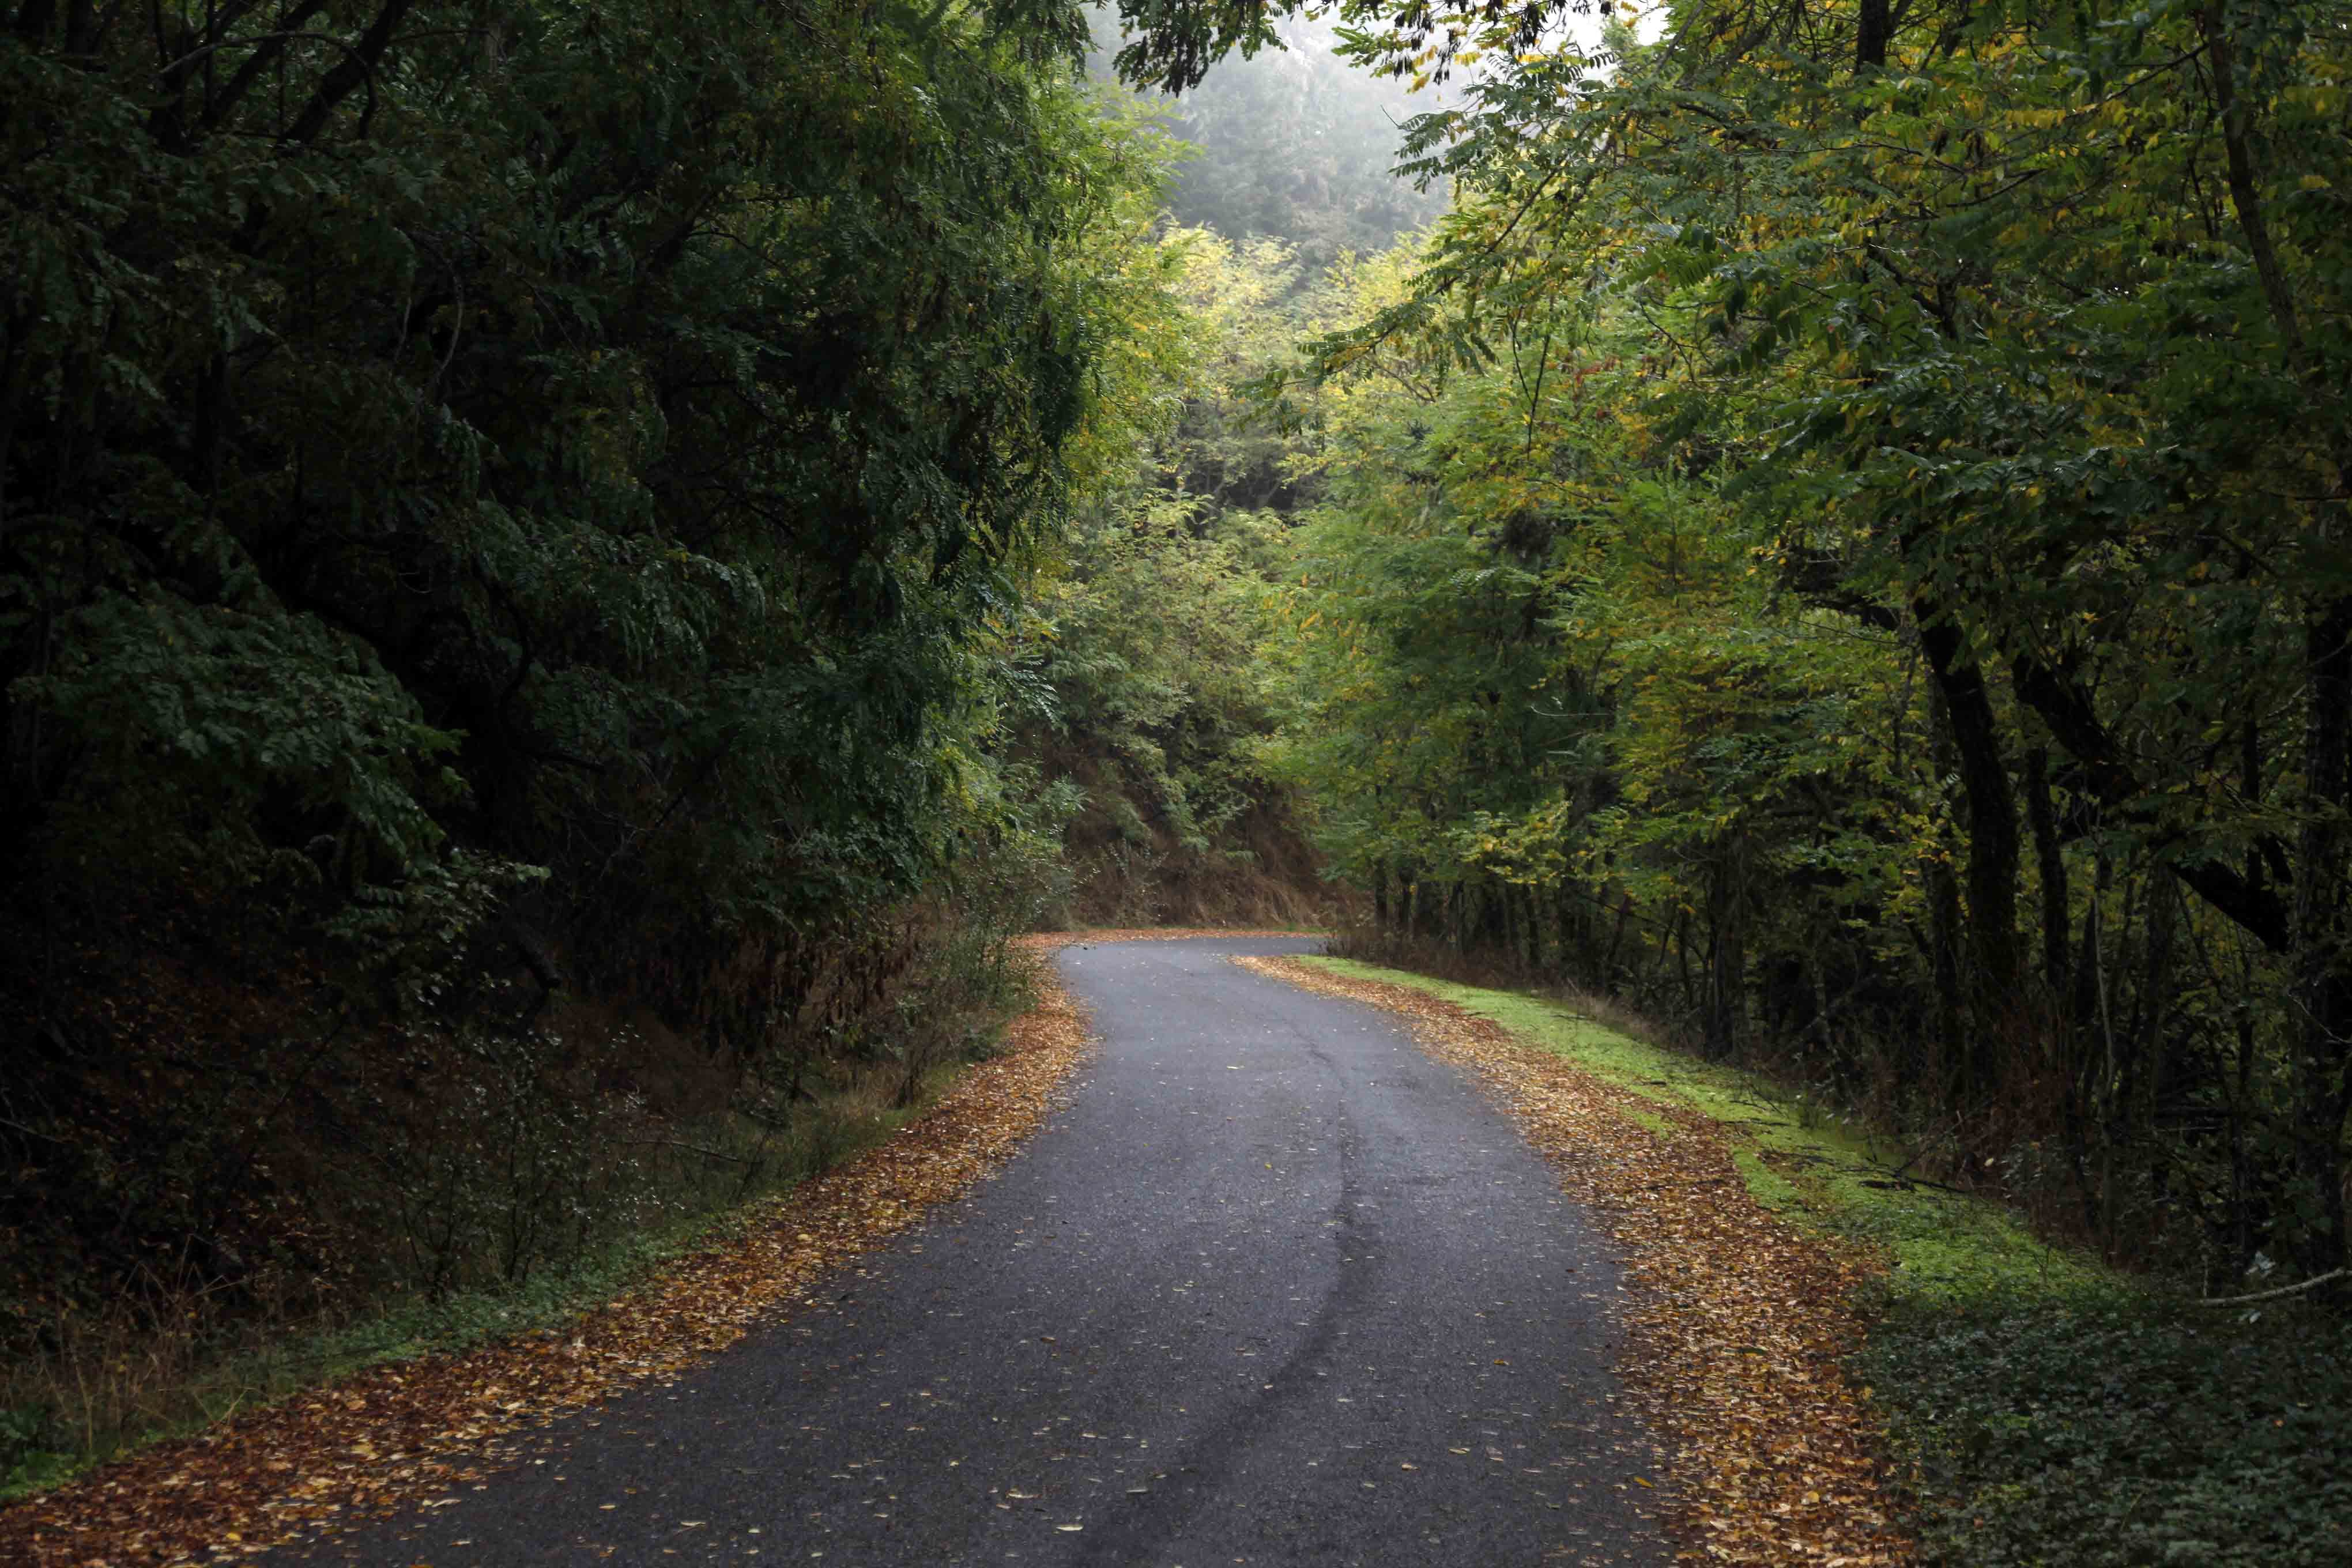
(1874, 31)
(1964, 707)
(2050, 859)
(1944, 964)
(1681, 960)
(2085, 1091)
(1605, 978)
(1727, 956)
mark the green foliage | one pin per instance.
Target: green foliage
(1910, 439)
(33, 1452)
(199, 714)
(1246, 305)
(1154, 699)
(517, 534)
(2115, 1432)
(1159, 703)
(586, 440)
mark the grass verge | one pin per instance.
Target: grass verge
(2042, 1409)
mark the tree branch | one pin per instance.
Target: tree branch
(357, 66)
(2107, 778)
(2311, 1284)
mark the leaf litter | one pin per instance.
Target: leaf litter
(1736, 1324)
(395, 1435)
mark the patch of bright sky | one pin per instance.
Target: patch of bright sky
(1316, 30)
(1647, 21)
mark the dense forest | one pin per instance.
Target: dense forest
(1834, 539)
(519, 536)
(1840, 538)
(571, 575)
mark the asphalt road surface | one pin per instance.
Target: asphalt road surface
(1274, 1288)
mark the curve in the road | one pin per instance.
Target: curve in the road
(1274, 1288)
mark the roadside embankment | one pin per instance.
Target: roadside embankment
(1856, 1366)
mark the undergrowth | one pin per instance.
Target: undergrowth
(2042, 1408)
(115, 1386)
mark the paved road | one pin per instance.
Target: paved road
(1275, 1289)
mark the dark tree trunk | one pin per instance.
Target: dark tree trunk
(1607, 976)
(1726, 1000)
(1966, 711)
(2057, 914)
(1874, 31)
(1946, 924)
(2143, 1064)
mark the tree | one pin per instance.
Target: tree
(444, 436)
(1999, 330)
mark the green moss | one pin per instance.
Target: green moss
(1775, 1191)
(1651, 1120)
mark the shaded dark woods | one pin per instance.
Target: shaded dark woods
(511, 522)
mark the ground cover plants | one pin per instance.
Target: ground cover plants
(95, 1385)
(347, 1200)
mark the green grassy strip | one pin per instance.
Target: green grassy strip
(1799, 1160)
(2048, 1410)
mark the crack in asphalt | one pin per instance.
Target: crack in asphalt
(1217, 1451)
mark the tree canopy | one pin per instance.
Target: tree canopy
(446, 444)
(1846, 517)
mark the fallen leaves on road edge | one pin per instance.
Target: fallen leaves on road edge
(1737, 1323)
(385, 1438)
